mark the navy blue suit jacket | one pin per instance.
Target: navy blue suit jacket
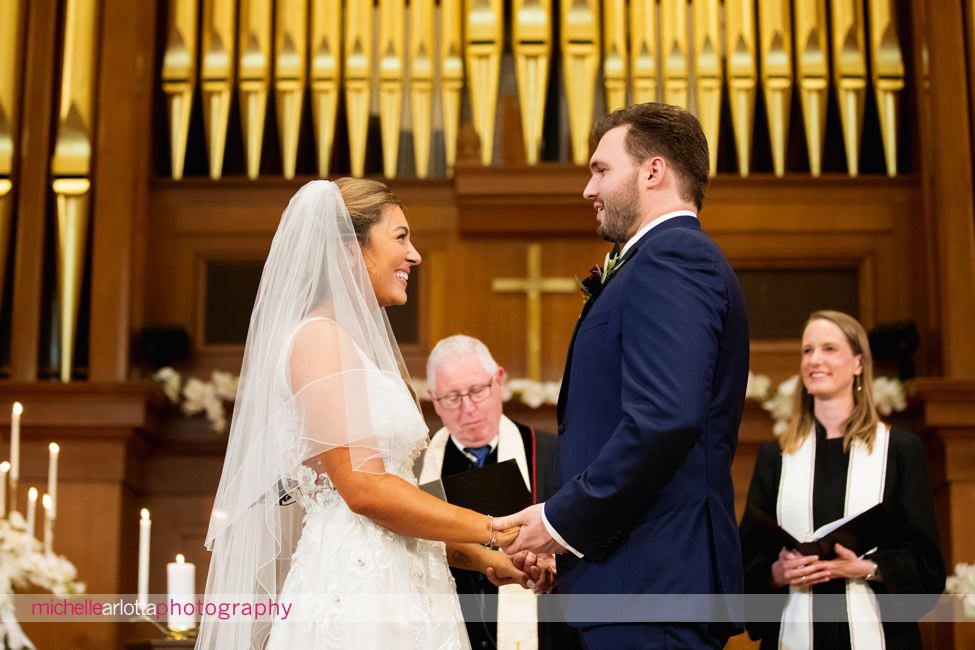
(651, 402)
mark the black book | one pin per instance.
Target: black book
(496, 489)
(859, 533)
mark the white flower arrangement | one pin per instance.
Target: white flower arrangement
(889, 396)
(23, 563)
(962, 583)
(196, 396)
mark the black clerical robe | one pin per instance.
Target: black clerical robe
(540, 448)
(909, 561)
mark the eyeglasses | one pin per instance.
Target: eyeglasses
(476, 393)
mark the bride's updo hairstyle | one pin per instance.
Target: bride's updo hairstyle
(364, 199)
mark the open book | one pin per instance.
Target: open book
(859, 533)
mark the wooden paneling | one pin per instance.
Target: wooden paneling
(121, 167)
(479, 227)
(33, 190)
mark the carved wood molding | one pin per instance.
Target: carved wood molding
(77, 409)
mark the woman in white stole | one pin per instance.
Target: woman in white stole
(836, 460)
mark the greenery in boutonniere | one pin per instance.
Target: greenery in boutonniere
(598, 276)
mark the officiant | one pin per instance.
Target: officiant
(466, 385)
(836, 460)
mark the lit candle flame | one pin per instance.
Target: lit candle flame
(46, 500)
(145, 514)
(18, 408)
(32, 494)
(180, 559)
(54, 448)
(5, 467)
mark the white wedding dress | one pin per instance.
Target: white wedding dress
(356, 584)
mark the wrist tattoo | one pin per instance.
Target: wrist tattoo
(461, 559)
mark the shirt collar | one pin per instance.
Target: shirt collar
(653, 224)
(457, 443)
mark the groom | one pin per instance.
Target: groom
(651, 398)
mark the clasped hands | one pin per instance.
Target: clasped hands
(798, 570)
(529, 546)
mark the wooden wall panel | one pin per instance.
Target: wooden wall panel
(469, 236)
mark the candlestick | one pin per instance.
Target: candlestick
(180, 591)
(52, 477)
(145, 525)
(4, 471)
(48, 524)
(18, 410)
(31, 510)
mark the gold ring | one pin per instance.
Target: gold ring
(803, 580)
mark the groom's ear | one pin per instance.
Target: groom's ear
(652, 171)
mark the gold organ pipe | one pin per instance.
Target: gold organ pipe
(71, 166)
(643, 50)
(179, 77)
(326, 46)
(580, 57)
(358, 67)
(812, 72)
(849, 74)
(887, 71)
(742, 76)
(421, 81)
(218, 48)
(532, 45)
(776, 43)
(253, 77)
(290, 61)
(614, 53)
(707, 48)
(674, 51)
(392, 15)
(451, 76)
(484, 41)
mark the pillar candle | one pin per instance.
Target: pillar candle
(15, 445)
(4, 470)
(145, 524)
(180, 591)
(31, 510)
(52, 477)
(48, 524)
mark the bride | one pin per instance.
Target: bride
(317, 509)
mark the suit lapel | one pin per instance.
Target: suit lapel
(677, 222)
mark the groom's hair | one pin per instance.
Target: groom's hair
(667, 131)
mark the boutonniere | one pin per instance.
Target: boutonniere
(598, 276)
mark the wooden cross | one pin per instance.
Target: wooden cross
(534, 285)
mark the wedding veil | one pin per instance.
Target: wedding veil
(315, 270)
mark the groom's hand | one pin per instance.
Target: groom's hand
(533, 536)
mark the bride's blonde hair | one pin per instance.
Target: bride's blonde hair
(365, 199)
(862, 423)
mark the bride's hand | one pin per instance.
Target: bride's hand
(502, 571)
(504, 538)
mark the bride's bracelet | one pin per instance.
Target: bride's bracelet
(493, 540)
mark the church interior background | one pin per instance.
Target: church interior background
(147, 150)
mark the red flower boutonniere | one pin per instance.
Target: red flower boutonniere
(598, 276)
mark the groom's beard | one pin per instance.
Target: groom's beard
(621, 211)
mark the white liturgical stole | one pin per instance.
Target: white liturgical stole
(865, 480)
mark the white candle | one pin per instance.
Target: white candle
(48, 524)
(52, 477)
(145, 524)
(15, 443)
(4, 470)
(180, 591)
(31, 510)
